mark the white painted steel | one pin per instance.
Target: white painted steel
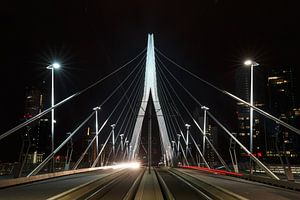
(150, 88)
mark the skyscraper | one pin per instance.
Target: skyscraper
(38, 131)
(282, 104)
(242, 90)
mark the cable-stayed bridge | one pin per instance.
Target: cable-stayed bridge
(152, 146)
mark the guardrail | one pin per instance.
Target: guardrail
(215, 171)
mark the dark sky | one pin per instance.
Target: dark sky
(92, 38)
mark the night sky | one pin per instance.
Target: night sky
(211, 38)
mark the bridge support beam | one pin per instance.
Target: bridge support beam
(150, 88)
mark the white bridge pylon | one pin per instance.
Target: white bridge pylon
(150, 88)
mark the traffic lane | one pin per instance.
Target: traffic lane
(47, 188)
(120, 189)
(245, 188)
(179, 189)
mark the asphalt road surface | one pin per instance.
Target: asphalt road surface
(177, 186)
(48, 188)
(245, 188)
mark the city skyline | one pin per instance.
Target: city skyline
(213, 44)
(149, 99)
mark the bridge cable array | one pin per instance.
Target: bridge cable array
(232, 95)
(112, 112)
(42, 164)
(34, 118)
(165, 81)
(210, 114)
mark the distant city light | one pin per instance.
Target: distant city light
(130, 165)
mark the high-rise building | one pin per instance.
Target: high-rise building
(35, 135)
(212, 135)
(242, 80)
(92, 153)
(282, 104)
(38, 131)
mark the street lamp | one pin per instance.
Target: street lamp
(53, 67)
(96, 127)
(113, 137)
(127, 147)
(173, 148)
(122, 144)
(178, 143)
(204, 128)
(187, 137)
(251, 64)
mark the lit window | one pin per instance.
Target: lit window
(273, 77)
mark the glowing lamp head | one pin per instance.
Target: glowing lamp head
(250, 63)
(56, 65)
(187, 125)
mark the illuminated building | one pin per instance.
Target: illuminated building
(242, 85)
(35, 136)
(92, 153)
(282, 104)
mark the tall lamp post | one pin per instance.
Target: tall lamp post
(178, 144)
(204, 128)
(251, 64)
(173, 148)
(187, 138)
(122, 144)
(113, 139)
(96, 109)
(53, 67)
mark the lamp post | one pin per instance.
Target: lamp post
(52, 67)
(173, 148)
(122, 144)
(96, 127)
(187, 138)
(178, 143)
(204, 128)
(127, 147)
(251, 64)
(113, 138)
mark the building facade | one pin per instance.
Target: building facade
(37, 133)
(283, 104)
(242, 90)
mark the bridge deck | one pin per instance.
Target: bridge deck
(180, 183)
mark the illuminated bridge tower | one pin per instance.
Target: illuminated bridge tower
(150, 88)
